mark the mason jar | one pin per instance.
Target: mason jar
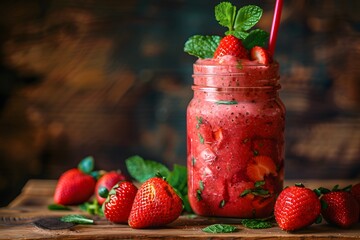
(235, 139)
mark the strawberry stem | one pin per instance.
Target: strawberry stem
(103, 192)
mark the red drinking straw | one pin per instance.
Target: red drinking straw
(275, 26)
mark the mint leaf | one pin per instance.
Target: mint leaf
(58, 207)
(256, 223)
(79, 219)
(141, 170)
(256, 37)
(178, 178)
(225, 14)
(226, 102)
(247, 17)
(202, 46)
(86, 165)
(219, 228)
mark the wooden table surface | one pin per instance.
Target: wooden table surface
(17, 221)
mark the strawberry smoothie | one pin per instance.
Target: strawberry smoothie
(235, 138)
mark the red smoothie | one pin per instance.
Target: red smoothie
(235, 138)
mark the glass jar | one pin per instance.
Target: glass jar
(235, 139)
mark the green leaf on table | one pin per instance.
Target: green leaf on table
(86, 165)
(141, 170)
(219, 228)
(58, 207)
(202, 46)
(256, 223)
(75, 218)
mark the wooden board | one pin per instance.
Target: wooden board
(17, 222)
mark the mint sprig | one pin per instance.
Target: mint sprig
(202, 46)
(256, 223)
(239, 23)
(219, 228)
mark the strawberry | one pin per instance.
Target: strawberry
(260, 167)
(340, 208)
(118, 204)
(156, 204)
(355, 191)
(74, 187)
(231, 45)
(296, 207)
(260, 54)
(105, 183)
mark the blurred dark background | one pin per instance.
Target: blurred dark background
(110, 79)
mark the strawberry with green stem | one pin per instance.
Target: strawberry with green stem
(297, 207)
(119, 201)
(105, 183)
(156, 204)
(76, 185)
(339, 207)
(239, 38)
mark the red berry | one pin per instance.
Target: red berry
(156, 204)
(260, 54)
(341, 209)
(108, 180)
(74, 187)
(260, 167)
(118, 204)
(296, 208)
(231, 45)
(355, 191)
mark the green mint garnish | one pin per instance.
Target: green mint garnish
(58, 207)
(224, 102)
(256, 223)
(202, 46)
(239, 24)
(79, 219)
(256, 37)
(201, 185)
(259, 184)
(199, 122)
(201, 138)
(219, 228)
(193, 161)
(198, 195)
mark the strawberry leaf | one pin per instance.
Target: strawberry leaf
(86, 165)
(256, 37)
(247, 17)
(219, 228)
(202, 46)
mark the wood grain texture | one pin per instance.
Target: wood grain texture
(17, 222)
